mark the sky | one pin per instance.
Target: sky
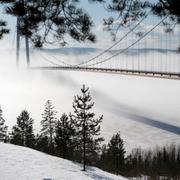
(97, 12)
(144, 110)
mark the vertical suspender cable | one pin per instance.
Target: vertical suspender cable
(17, 42)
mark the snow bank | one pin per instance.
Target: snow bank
(20, 163)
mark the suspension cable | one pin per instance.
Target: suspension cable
(108, 49)
(121, 39)
(47, 60)
(122, 51)
(63, 62)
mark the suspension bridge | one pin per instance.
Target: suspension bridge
(109, 61)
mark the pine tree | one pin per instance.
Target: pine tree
(16, 136)
(3, 128)
(116, 154)
(30, 137)
(103, 158)
(42, 143)
(3, 29)
(22, 132)
(49, 124)
(178, 158)
(40, 19)
(87, 127)
(64, 137)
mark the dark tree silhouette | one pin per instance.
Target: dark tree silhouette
(42, 143)
(158, 163)
(168, 7)
(3, 29)
(49, 123)
(125, 12)
(49, 21)
(22, 132)
(87, 127)
(64, 137)
(3, 128)
(116, 153)
(113, 156)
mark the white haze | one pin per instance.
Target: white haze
(145, 110)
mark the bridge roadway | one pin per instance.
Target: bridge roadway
(154, 74)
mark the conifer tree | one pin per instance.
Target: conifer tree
(103, 158)
(22, 132)
(178, 157)
(116, 154)
(42, 143)
(87, 126)
(64, 137)
(49, 123)
(3, 29)
(49, 21)
(3, 127)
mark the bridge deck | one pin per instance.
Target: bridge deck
(155, 74)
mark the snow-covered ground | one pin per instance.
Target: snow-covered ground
(20, 163)
(145, 110)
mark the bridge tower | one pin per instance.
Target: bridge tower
(18, 42)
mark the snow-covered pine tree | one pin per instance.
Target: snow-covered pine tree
(3, 128)
(87, 126)
(22, 132)
(49, 123)
(64, 137)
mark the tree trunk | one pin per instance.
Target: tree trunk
(84, 135)
(84, 147)
(51, 134)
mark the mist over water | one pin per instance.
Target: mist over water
(144, 110)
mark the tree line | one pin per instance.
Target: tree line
(76, 137)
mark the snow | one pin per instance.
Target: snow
(20, 163)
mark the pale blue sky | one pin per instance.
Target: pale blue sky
(104, 40)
